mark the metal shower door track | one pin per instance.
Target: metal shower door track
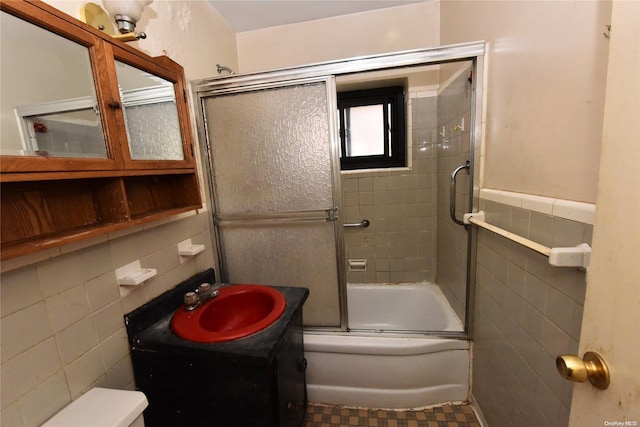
(428, 56)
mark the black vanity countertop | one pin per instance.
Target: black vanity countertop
(149, 328)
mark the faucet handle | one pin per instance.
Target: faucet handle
(204, 290)
(191, 300)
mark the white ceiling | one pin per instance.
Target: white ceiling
(248, 15)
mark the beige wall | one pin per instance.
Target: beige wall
(62, 313)
(380, 31)
(546, 78)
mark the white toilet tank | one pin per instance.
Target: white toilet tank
(102, 407)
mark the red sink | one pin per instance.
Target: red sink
(238, 311)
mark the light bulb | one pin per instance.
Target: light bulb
(126, 12)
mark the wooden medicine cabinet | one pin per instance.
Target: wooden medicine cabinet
(94, 135)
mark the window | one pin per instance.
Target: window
(372, 128)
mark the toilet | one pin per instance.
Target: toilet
(102, 407)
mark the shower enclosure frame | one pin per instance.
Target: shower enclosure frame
(327, 71)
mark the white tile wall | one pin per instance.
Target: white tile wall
(62, 314)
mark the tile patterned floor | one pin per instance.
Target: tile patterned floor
(443, 416)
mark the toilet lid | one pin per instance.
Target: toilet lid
(101, 407)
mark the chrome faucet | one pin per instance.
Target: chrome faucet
(194, 299)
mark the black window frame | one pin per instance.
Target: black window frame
(395, 154)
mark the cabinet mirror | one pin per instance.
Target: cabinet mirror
(95, 135)
(151, 114)
(49, 106)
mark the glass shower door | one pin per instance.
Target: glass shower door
(273, 165)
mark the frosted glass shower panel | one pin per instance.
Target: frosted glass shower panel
(271, 149)
(296, 254)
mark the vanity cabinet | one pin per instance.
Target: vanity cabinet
(256, 381)
(211, 388)
(95, 134)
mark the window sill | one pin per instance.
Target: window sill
(376, 170)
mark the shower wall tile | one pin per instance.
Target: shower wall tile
(524, 317)
(62, 317)
(399, 245)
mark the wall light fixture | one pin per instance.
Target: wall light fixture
(126, 14)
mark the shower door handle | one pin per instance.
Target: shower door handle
(452, 194)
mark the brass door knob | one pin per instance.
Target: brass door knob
(591, 367)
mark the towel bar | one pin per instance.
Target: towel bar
(578, 256)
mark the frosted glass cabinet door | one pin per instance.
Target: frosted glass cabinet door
(151, 115)
(270, 149)
(271, 160)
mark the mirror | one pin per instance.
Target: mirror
(48, 102)
(151, 115)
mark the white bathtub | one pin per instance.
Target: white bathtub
(410, 307)
(365, 368)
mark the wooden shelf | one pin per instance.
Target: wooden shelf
(34, 209)
(22, 247)
(147, 195)
(38, 215)
(46, 176)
